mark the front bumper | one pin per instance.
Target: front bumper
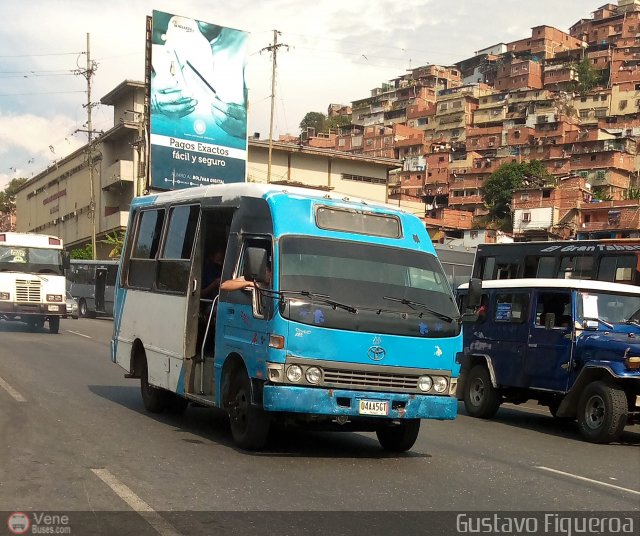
(40, 309)
(319, 401)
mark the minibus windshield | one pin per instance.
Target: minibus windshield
(364, 276)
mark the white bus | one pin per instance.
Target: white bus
(32, 281)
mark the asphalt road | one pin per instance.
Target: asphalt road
(75, 436)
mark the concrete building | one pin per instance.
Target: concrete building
(57, 201)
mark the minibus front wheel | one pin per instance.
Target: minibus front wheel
(249, 423)
(398, 437)
(154, 399)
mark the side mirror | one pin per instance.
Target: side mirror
(255, 264)
(474, 295)
(469, 318)
(549, 320)
(66, 260)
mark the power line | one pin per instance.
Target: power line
(39, 55)
(38, 93)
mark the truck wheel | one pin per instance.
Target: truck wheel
(154, 399)
(399, 437)
(249, 424)
(177, 404)
(481, 399)
(82, 308)
(602, 412)
(54, 324)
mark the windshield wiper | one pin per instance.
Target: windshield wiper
(324, 298)
(411, 303)
(632, 322)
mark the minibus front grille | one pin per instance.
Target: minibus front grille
(28, 291)
(373, 380)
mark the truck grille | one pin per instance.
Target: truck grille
(28, 291)
(377, 381)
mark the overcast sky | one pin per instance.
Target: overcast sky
(338, 51)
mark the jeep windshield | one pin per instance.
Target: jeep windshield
(30, 260)
(362, 276)
(609, 308)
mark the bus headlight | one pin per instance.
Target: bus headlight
(313, 375)
(294, 373)
(425, 383)
(440, 384)
(4, 296)
(54, 298)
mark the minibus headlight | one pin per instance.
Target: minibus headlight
(425, 383)
(294, 373)
(4, 296)
(440, 384)
(54, 297)
(313, 375)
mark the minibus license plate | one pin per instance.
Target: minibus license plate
(373, 407)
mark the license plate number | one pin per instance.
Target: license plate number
(373, 407)
(54, 308)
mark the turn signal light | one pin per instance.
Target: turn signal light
(4, 296)
(632, 363)
(276, 341)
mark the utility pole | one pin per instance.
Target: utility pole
(274, 52)
(88, 75)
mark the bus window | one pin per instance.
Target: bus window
(576, 268)
(174, 265)
(142, 273)
(618, 268)
(487, 267)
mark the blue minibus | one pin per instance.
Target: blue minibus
(347, 320)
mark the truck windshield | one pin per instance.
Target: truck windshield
(30, 260)
(611, 308)
(363, 276)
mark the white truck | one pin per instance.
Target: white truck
(32, 280)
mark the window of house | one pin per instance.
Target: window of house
(526, 217)
(601, 174)
(623, 104)
(524, 196)
(546, 194)
(593, 157)
(584, 114)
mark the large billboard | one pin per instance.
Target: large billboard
(198, 103)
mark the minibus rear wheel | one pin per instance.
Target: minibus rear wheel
(398, 437)
(154, 399)
(249, 423)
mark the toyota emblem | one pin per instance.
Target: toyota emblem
(376, 353)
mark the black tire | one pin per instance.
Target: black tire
(176, 404)
(249, 424)
(32, 324)
(54, 324)
(399, 437)
(82, 308)
(602, 412)
(155, 400)
(481, 398)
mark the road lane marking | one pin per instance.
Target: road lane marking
(585, 479)
(152, 517)
(15, 394)
(80, 334)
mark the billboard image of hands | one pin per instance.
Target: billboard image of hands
(198, 103)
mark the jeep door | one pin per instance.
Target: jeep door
(549, 352)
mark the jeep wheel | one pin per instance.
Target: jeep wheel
(398, 437)
(602, 412)
(481, 399)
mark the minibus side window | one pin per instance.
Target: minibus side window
(175, 265)
(142, 265)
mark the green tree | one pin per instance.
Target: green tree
(338, 121)
(588, 76)
(116, 241)
(632, 193)
(85, 253)
(8, 195)
(315, 120)
(499, 187)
